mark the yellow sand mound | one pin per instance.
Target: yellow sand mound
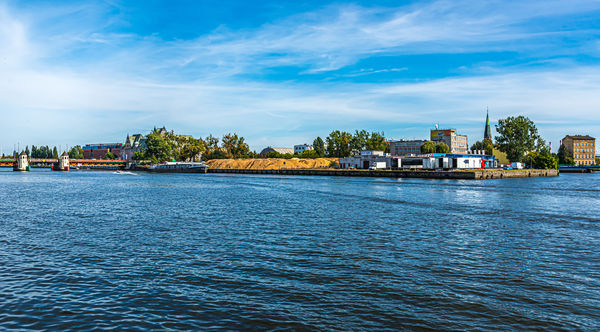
(270, 163)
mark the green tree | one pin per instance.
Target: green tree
(517, 136)
(319, 146)
(76, 152)
(543, 159)
(338, 144)
(157, 148)
(486, 146)
(376, 142)
(139, 155)
(597, 161)
(192, 149)
(442, 147)
(110, 156)
(217, 153)
(55, 153)
(358, 142)
(211, 142)
(27, 151)
(428, 147)
(235, 146)
(565, 157)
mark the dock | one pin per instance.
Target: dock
(448, 175)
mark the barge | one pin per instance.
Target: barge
(179, 167)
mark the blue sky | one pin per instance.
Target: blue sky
(283, 72)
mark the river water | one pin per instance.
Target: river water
(84, 250)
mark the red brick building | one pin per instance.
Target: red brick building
(99, 151)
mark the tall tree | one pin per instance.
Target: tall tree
(193, 149)
(358, 142)
(486, 146)
(157, 149)
(376, 142)
(55, 153)
(235, 145)
(338, 144)
(518, 136)
(27, 151)
(211, 142)
(319, 146)
(565, 157)
(76, 152)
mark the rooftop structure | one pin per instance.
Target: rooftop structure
(266, 150)
(457, 143)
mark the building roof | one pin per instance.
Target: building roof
(580, 137)
(278, 150)
(64, 154)
(134, 141)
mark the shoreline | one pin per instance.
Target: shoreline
(440, 175)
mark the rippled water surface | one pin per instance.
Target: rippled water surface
(84, 250)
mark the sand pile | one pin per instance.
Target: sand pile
(270, 163)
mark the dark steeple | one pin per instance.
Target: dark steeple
(487, 133)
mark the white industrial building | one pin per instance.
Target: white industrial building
(433, 161)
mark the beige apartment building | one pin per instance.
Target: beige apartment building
(583, 149)
(457, 143)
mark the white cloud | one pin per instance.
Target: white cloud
(193, 86)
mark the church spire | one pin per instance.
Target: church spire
(487, 133)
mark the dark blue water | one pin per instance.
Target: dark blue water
(85, 250)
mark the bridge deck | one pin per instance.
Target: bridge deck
(86, 163)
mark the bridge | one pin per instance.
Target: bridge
(579, 169)
(74, 163)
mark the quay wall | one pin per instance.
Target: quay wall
(456, 175)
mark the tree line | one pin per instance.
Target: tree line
(519, 138)
(172, 147)
(161, 146)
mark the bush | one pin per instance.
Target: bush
(311, 154)
(428, 147)
(275, 154)
(542, 160)
(442, 147)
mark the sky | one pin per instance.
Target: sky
(281, 73)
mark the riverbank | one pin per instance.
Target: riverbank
(456, 175)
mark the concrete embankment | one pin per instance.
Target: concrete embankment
(457, 175)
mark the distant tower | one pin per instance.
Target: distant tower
(487, 133)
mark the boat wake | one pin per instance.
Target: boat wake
(124, 173)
